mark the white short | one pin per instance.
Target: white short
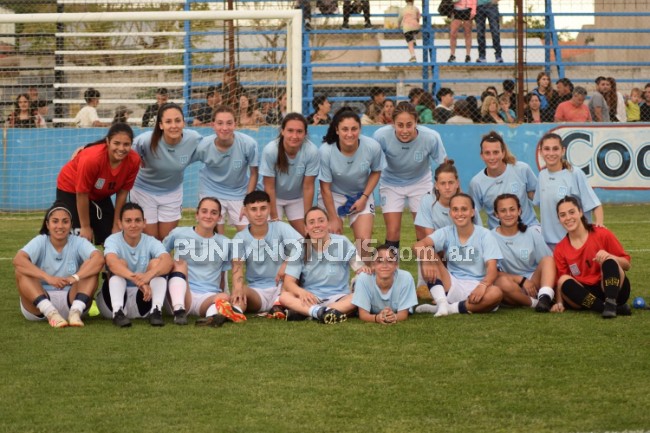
(163, 208)
(232, 209)
(267, 297)
(460, 289)
(293, 209)
(130, 307)
(393, 198)
(332, 300)
(58, 298)
(340, 199)
(198, 298)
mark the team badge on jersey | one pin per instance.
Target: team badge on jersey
(332, 269)
(237, 164)
(419, 156)
(514, 188)
(562, 191)
(100, 183)
(365, 166)
(524, 254)
(72, 267)
(300, 169)
(184, 159)
(575, 270)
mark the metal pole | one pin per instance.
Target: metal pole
(519, 10)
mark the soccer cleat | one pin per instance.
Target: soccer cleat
(308, 26)
(56, 320)
(426, 308)
(294, 316)
(277, 312)
(468, 59)
(180, 317)
(452, 59)
(214, 321)
(74, 318)
(225, 309)
(609, 310)
(120, 319)
(623, 310)
(330, 316)
(155, 318)
(544, 304)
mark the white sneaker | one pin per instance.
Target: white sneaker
(426, 309)
(443, 309)
(56, 320)
(74, 318)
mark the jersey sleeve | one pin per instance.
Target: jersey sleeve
(111, 245)
(361, 295)
(169, 240)
(560, 259)
(268, 160)
(440, 238)
(490, 246)
(325, 173)
(424, 217)
(88, 170)
(252, 153)
(378, 159)
(612, 244)
(156, 248)
(407, 296)
(531, 179)
(35, 248)
(589, 199)
(312, 160)
(133, 167)
(84, 249)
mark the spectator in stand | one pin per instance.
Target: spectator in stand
(464, 12)
(505, 112)
(564, 90)
(306, 12)
(632, 109)
(33, 97)
(248, 115)
(574, 110)
(87, 117)
(378, 96)
(490, 110)
(509, 89)
(373, 115)
(349, 8)
(425, 109)
(547, 96)
(644, 107)
(322, 107)
(23, 116)
(42, 112)
(122, 113)
(149, 118)
(387, 112)
(462, 114)
(616, 102)
(492, 91)
(533, 112)
(203, 116)
(416, 92)
(598, 104)
(277, 113)
(488, 10)
(409, 22)
(445, 109)
(474, 109)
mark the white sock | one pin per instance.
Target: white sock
(313, 311)
(177, 289)
(117, 289)
(546, 291)
(427, 309)
(78, 305)
(211, 311)
(453, 308)
(439, 295)
(533, 302)
(46, 307)
(158, 289)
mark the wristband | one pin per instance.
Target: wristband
(521, 283)
(365, 195)
(376, 318)
(76, 277)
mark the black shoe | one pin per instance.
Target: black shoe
(544, 304)
(468, 59)
(331, 316)
(155, 318)
(294, 316)
(368, 25)
(215, 321)
(452, 59)
(623, 310)
(609, 312)
(307, 26)
(121, 320)
(180, 317)
(345, 25)
(277, 312)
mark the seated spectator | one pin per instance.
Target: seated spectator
(445, 109)
(149, 117)
(277, 113)
(387, 112)
(547, 95)
(416, 92)
(474, 109)
(122, 113)
(23, 116)
(373, 115)
(33, 97)
(41, 114)
(616, 102)
(322, 107)
(378, 96)
(248, 115)
(564, 90)
(490, 110)
(426, 108)
(203, 115)
(533, 112)
(509, 90)
(632, 109)
(462, 114)
(598, 104)
(350, 7)
(492, 91)
(644, 106)
(574, 110)
(505, 112)
(87, 117)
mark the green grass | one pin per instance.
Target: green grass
(514, 370)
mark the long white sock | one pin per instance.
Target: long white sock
(453, 308)
(177, 290)
(211, 311)
(158, 289)
(546, 291)
(438, 294)
(78, 305)
(117, 289)
(533, 302)
(46, 307)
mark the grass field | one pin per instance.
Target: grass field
(511, 371)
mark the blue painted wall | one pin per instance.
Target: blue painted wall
(32, 158)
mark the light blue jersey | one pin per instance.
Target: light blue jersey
(517, 179)
(401, 296)
(407, 163)
(265, 256)
(206, 258)
(553, 186)
(328, 273)
(225, 175)
(162, 173)
(348, 175)
(466, 261)
(433, 215)
(137, 258)
(44, 256)
(288, 186)
(522, 252)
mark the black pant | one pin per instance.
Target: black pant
(347, 10)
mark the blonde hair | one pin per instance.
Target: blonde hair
(636, 90)
(495, 137)
(485, 107)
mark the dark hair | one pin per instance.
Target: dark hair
(26, 96)
(318, 101)
(444, 91)
(611, 97)
(427, 100)
(508, 85)
(566, 82)
(553, 136)
(252, 104)
(331, 136)
(392, 250)
(405, 107)
(282, 164)
(579, 90)
(446, 167)
(257, 196)
(223, 109)
(599, 79)
(116, 128)
(520, 224)
(213, 199)
(91, 93)
(162, 91)
(465, 195)
(374, 91)
(130, 206)
(57, 205)
(212, 90)
(495, 137)
(414, 92)
(576, 201)
(157, 130)
(462, 108)
(529, 96)
(306, 239)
